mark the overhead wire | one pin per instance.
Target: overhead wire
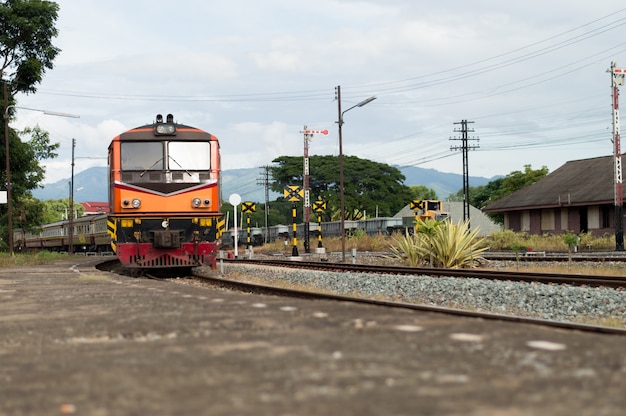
(432, 146)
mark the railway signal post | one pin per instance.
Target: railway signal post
(617, 79)
(294, 193)
(319, 206)
(248, 208)
(306, 212)
(417, 206)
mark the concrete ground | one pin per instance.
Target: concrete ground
(74, 340)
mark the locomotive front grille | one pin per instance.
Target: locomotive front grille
(169, 261)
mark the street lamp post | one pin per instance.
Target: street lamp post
(7, 158)
(341, 179)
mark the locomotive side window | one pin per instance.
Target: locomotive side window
(142, 156)
(189, 156)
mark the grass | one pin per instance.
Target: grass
(29, 259)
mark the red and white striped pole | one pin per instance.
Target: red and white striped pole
(308, 136)
(617, 79)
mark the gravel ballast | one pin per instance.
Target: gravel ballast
(555, 302)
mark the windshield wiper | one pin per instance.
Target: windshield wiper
(179, 165)
(147, 169)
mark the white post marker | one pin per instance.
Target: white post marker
(235, 200)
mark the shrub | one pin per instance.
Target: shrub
(442, 244)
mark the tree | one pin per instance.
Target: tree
(27, 28)
(422, 192)
(368, 186)
(26, 175)
(56, 210)
(480, 196)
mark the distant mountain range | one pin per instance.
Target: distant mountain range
(92, 184)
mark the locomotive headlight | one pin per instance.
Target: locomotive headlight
(165, 129)
(165, 224)
(136, 203)
(196, 202)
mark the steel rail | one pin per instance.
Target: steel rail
(548, 278)
(301, 293)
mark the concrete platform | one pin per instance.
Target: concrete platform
(74, 340)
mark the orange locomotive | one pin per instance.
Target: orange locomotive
(164, 196)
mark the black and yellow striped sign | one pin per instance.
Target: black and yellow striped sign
(319, 206)
(293, 193)
(248, 207)
(417, 205)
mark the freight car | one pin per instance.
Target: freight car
(256, 237)
(164, 196)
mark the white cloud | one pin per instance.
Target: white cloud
(253, 73)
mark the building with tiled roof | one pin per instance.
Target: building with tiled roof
(92, 208)
(577, 197)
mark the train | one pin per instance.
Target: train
(165, 196)
(90, 236)
(162, 231)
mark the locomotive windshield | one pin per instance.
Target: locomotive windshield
(151, 156)
(142, 156)
(189, 156)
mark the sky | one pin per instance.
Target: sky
(530, 78)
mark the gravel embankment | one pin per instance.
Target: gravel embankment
(555, 302)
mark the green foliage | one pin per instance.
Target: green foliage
(368, 186)
(481, 196)
(38, 258)
(26, 175)
(27, 28)
(57, 210)
(456, 246)
(422, 192)
(443, 244)
(509, 240)
(409, 249)
(570, 239)
(279, 213)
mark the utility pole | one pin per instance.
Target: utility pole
(70, 225)
(465, 148)
(264, 181)
(617, 79)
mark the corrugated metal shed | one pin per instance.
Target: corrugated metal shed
(577, 183)
(455, 210)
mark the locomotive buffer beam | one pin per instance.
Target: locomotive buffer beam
(166, 239)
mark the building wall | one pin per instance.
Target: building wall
(595, 219)
(564, 217)
(573, 222)
(548, 224)
(525, 221)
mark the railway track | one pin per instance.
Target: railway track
(258, 287)
(214, 277)
(548, 278)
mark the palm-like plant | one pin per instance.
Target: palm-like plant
(455, 245)
(443, 243)
(409, 249)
